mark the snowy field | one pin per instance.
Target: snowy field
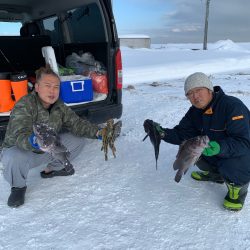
(125, 203)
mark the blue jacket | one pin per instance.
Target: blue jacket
(225, 120)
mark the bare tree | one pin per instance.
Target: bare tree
(206, 26)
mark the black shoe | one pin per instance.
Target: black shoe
(207, 176)
(54, 173)
(235, 197)
(16, 197)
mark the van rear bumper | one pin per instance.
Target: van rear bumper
(102, 114)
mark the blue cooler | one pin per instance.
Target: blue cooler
(74, 89)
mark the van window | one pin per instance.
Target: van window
(10, 28)
(86, 24)
(52, 28)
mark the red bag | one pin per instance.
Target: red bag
(99, 82)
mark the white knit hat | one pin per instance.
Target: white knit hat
(197, 80)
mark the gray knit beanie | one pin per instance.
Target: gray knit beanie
(197, 80)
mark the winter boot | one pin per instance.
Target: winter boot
(235, 197)
(16, 197)
(6, 102)
(19, 84)
(207, 176)
(54, 173)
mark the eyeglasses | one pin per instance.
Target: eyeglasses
(191, 93)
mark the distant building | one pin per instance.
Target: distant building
(135, 41)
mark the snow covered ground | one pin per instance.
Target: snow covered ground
(125, 203)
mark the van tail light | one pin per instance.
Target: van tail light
(118, 72)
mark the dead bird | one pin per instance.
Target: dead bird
(109, 134)
(49, 141)
(154, 136)
(188, 154)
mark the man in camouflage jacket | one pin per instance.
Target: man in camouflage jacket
(20, 153)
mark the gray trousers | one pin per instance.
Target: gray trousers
(18, 162)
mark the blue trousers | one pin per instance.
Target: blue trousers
(233, 170)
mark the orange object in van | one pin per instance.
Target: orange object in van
(19, 84)
(6, 102)
(99, 82)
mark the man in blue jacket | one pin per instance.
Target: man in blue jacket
(226, 121)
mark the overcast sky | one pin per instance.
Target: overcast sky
(183, 20)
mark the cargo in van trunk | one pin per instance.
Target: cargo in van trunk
(76, 89)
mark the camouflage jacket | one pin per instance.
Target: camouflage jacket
(30, 110)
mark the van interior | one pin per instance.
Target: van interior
(77, 33)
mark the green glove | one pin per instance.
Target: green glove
(160, 130)
(150, 124)
(213, 149)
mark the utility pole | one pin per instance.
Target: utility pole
(206, 26)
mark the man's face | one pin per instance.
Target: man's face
(200, 97)
(48, 88)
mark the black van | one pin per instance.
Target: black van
(77, 28)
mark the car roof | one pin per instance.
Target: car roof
(16, 9)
